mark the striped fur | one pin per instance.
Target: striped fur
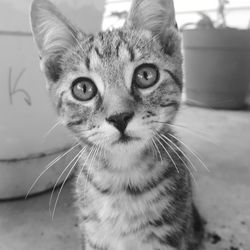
(135, 194)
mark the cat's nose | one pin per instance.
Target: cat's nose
(120, 120)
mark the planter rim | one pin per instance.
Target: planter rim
(230, 30)
(37, 155)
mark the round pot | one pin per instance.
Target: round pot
(27, 141)
(217, 67)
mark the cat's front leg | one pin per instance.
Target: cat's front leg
(88, 247)
(87, 244)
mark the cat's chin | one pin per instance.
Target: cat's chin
(127, 145)
(125, 154)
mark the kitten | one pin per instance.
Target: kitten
(118, 92)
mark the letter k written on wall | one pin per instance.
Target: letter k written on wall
(14, 89)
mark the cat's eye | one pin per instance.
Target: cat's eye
(83, 89)
(145, 76)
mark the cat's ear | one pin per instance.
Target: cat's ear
(153, 15)
(53, 33)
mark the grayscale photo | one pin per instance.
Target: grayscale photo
(125, 125)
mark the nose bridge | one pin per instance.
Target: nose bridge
(117, 101)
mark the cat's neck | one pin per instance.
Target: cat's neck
(116, 173)
(123, 160)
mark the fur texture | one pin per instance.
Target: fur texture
(133, 186)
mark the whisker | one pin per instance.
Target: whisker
(190, 100)
(51, 129)
(153, 149)
(157, 149)
(88, 170)
(178, 155)
(101, 148)
(48, 167)
(184, 154)
(79, 174)
(61, 188)
(191, 151)
(202, 135)
(60, 176)
(167, 153)
(104, 154)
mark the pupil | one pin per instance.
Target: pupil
(145, 74)
(84, 87)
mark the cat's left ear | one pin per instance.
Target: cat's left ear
(154, 15)
(53, 35)
(51, 30)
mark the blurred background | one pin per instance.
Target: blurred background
(237, 11)
(213, 122)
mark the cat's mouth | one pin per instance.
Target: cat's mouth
(125, 139)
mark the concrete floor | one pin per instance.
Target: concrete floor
(221, 139)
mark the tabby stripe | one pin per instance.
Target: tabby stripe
(108, 51)
(90, 48)
(169, 104)
(176, 211)
(172, 240)
(98, 52)
(89, 178)
(73, 105)
(121, 36)
(90, 39)
(176, 80)
(151, 113)
(167, 218)
(87, 63)
(117, 48)
(131, 53)
(59, 104)
(137, 190)
(135, 230)
(100, 36)
(90, 217)
(130, 50)
(75, 123)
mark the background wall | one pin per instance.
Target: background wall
(26, 114)
(14, 14)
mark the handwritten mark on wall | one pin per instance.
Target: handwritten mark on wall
(14, 89)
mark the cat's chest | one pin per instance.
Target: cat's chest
(127, 208)
(120, 210)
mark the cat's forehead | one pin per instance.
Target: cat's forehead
(110, 38)
(116, 44)
(109, 48)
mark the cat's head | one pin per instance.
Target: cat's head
(117, 88)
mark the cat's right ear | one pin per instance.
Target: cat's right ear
(53, 35)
